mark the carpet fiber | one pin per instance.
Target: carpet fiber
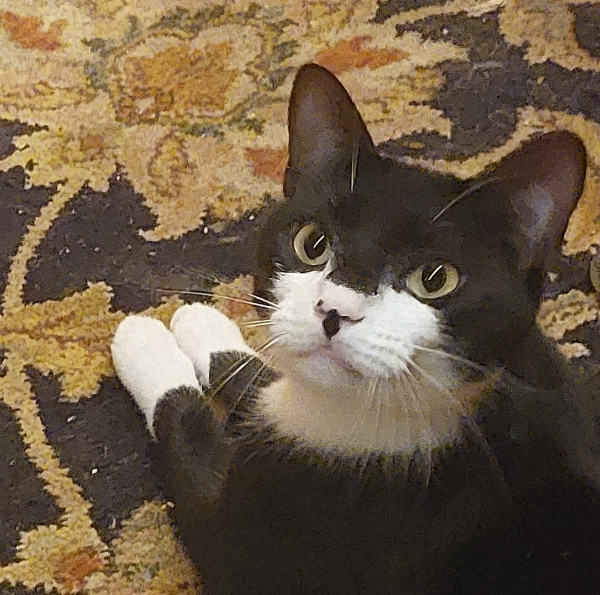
(139, 138)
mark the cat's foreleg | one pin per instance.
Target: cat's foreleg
(165, 372)
(150, 364)
(192, 451)
(151, 361)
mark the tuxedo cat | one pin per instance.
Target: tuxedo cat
(413, 432)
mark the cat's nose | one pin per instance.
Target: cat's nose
(333, 320)
(331, 323)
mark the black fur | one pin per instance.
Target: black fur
(509, 508)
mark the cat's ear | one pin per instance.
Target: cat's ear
(543, 182)
(326, 131)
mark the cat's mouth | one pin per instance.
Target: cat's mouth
(318, 359)
(327, 358)
(333, 355)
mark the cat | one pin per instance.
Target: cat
(413, 432)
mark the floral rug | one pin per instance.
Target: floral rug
(138, 140)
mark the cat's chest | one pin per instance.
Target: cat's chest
(402, 512)
(365, 417)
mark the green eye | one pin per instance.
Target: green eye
(433, 281)
(312, 246)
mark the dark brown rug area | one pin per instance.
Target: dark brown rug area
(138, 141)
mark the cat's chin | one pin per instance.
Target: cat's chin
(331, 360)
(323, 365)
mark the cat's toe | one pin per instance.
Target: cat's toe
(149, 362)
(201, 330)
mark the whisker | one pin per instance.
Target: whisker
(363, 463)
(372, 389)
(432, 380)
(233, 374)
(245, 390)
(268, 344)
(254, 323)
(378, 411)
(451, 356)
(407, 383)
(194, 273)
(462, 195)
(354, 167)
(448, 394)
(402, 381)
(426, 451)
(218, 296)
(262, 299)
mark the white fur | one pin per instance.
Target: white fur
(149, 362)
(358, 418)
(370, 388)
(384, 332)
(201, 330)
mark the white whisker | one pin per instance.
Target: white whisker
(244, 390)
(354, 167)
(262, 299)
(448, 394)
(234, 373)
(424, 449)
(219, 296)
(379, 399)
(431, 379)
(268, 344)
(254, 323)
(407, 384)
(254, 377)
(451, 356)
(408, 438)
(462, 195)
(373, 382)
(363, 463)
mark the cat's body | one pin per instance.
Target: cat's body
(417, 435)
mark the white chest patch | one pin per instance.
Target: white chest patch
(369, 378)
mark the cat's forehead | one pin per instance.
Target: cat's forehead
(390, 206)
(382, 195)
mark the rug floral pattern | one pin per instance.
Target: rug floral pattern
(138, 140)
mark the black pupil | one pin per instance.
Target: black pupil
(434, 277)
(315, 244)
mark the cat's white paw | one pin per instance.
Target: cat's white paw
(149, 362)
(201, 330)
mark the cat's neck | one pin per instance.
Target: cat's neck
(357, 417)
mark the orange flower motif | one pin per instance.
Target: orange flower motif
(183, 99)
(168, 83)
(28, 31)
(268, 162)
(353, 53)
(74, 569)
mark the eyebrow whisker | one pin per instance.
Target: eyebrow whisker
(462, 195)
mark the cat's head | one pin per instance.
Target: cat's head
(375, 265)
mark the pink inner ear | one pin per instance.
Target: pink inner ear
(544, 180)
(537, 214)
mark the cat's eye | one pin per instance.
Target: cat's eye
(433, 281)
(311, 245)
